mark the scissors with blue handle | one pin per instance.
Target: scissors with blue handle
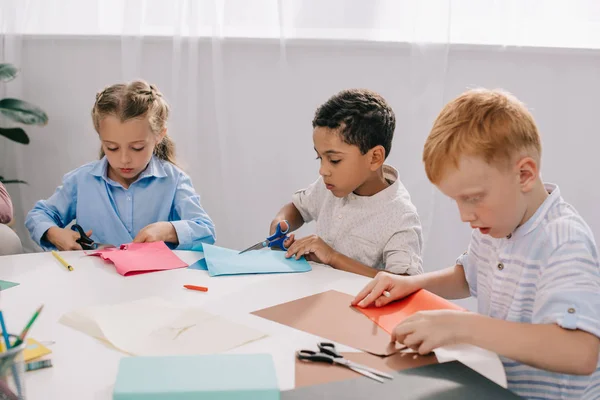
(86, 242)
(275, 240)
(328, 354)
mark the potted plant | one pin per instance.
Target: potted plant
(18, 111)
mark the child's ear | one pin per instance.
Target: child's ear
(528, 173)
(162, 135)
(377, 157)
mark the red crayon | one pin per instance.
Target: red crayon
(198, 288)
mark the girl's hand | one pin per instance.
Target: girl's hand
(64, 239)
(157, 232)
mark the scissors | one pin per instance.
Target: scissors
(86, 242)
(328, 354)
(275, 240)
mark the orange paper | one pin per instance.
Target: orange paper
(138, 258)
(388, 316)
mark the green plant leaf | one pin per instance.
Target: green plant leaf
(23, 112)
(15, 134)
(8, 72)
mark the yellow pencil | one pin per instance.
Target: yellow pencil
(62, 260)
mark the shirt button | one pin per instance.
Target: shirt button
(128, 198)
(340, 216)
(500, 266)
(571, 310)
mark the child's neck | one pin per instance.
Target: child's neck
(375, 184)
(535, 199)
(117, 178)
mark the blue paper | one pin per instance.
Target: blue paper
(211, 377)
(198, 247)
(221, 261)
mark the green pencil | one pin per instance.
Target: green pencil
(31, 321)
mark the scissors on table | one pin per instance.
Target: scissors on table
(86, 242)
(275, 240)
(328, 354)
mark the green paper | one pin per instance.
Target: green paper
(208, 377)
(7, 285)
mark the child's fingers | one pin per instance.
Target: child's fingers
(399, 338)
(364, 292)
(383, 300)
(140, 237)
(291, 250)
(401, 331)
(411, 340)
(304, 248)
(376, 292)
(70, 242)
(73, 245)
(294, 248)
(288, 242)
(426, 347)
(311, 257)
(284, 226)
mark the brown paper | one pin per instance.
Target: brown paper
(314, 373)
(330, 316)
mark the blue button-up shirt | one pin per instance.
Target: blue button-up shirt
(115, 214)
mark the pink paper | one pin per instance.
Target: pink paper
(139, 258)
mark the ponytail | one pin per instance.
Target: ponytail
(165, 150)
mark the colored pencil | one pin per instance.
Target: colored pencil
(198, 288)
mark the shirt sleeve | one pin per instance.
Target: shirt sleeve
(402, 254)
(569, 288)
(468, 262)
(191, 222)
(6, 207)
(58, 210)
(308, 201)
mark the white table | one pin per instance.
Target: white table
(84, 368)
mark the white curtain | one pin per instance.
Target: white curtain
(244, 78)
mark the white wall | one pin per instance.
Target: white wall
(242, 116)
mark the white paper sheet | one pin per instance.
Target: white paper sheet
(476, 358)
(154, 326)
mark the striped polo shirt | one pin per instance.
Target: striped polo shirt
(547, 271)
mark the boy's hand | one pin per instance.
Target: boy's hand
(288, 242)
(284, 228)
(397, 286)
(282, 224)
(313, 248)
(157, 232)
(64, 239)
(425, 331)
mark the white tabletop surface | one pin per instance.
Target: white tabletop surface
(84, 368)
